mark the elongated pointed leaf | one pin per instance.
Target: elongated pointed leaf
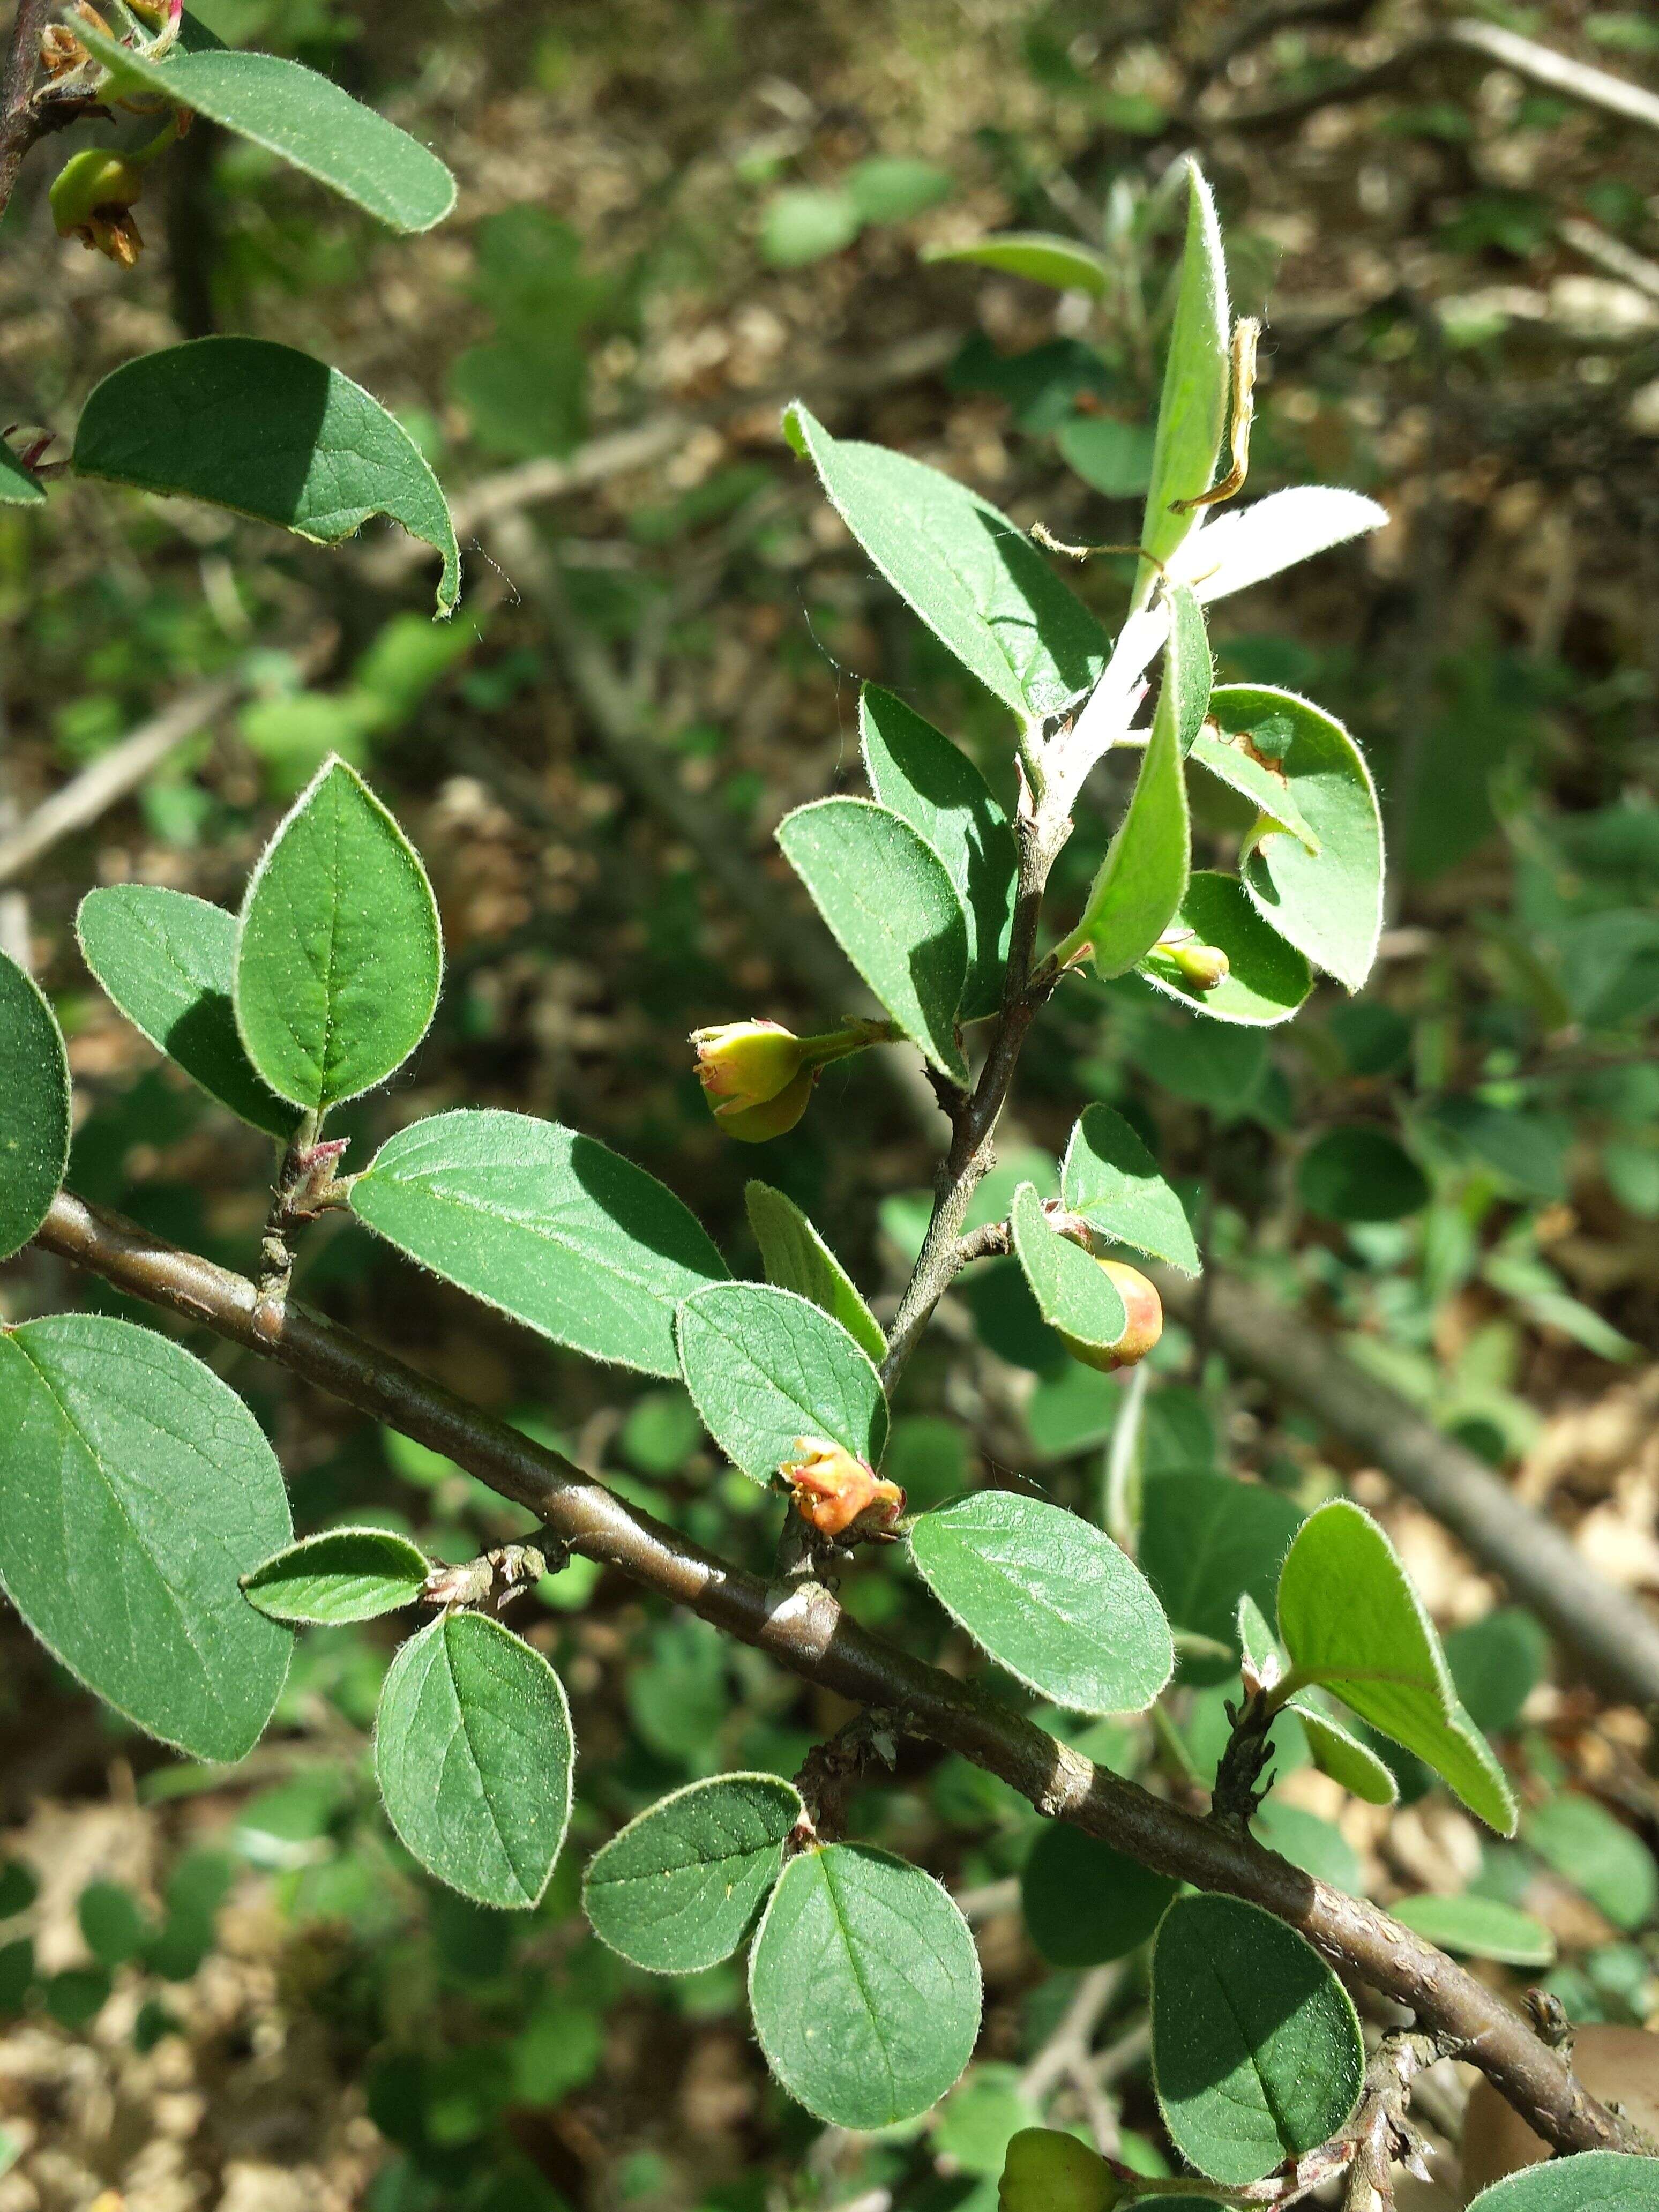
(1192, 412)
(1142, 878)
(1479, 1928)
(1051, 1599)
(1352, 1622)
(1256, 2051)
(292, 111)
(1065, 264)
(796, 1258)
(892, 908)
(1236, 547)
(136, 1489)
(35, 1120)
(167, 961)
(1110, 1178)
(678, 1888)
(916, 772)
(551, 1227)
(1073, 1292)
(1084, 1903)
(767, 1369)
(1326, 902)
(266, 432)
(978, 583)
(473, 1754)
(865, 1985)
(1594, 2181)
(1266, 980)
(339, 958)
(340, 1575)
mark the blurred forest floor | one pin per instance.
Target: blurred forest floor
(671, 217)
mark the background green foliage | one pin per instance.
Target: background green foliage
(703, 210)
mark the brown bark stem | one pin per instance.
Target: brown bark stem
(806, 1630)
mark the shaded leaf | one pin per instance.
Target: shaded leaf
(796, 1258)
(1052, 1600)
(34, 1081)
(551, 1227)
(1268, 979)
(473, 1754)
(678, 1888)
(1083, 1902)
(891, 906)
(865, 1985)
(1256, 2051)
(1114, 458)
(1360, 1174)
(1111, 1179)
(129, 1466)
(1334, 1751)
(916, 772)
(767, 1368)
(1479, 1928)
(266, 432)
(1592, 1848)
(167, 960)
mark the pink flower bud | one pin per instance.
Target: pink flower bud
(1144, 1321)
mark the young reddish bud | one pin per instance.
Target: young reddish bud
(753, 1124)
(1046, 2171)
(92, 199)
(746, 1063)
(1144, 1309)
(837, 1494)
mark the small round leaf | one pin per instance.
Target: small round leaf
(1083, 1902)
(340, 1575)
(678, 1888)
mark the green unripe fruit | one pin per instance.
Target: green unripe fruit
(92, 198)
(1044, 2171)
(1144, 1321)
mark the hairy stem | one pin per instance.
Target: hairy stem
(806, 1630)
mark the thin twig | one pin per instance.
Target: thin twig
(1073, 2038)
(806, 1630)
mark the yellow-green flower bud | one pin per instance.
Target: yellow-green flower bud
(753, 1124)
(1046, 2171)
(92, 199)
(1197, 967)
(743, 1064)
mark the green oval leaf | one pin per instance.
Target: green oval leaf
(1192, 410)
(1111, 1179)
(678, 1888)
(979, 583)
(1142, 878)
(551, 1227)
(1351, 1621)
(473, 1754)
(167, 960)
(1114, 458)
(1073, 1291)
(893, 910)
(1256, 2051)
(1479, 1928)
(309, 121)
(1318, 1846)
(1083, 1902)
(767, 1369)
(1592, 1848)
(796, 1258)
(1258, 780)
(1360, 1174)
(864, 1986)
(1052, 1600)
(917, 773)
(1326, 900)
(19, 487)
(1065, 264)
(339, 957)
(1206, 1541)
(1594, 2181)
(137, 1490)
(1268, 979)
(34, 1080)
(266, 432)
(340, 1575)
